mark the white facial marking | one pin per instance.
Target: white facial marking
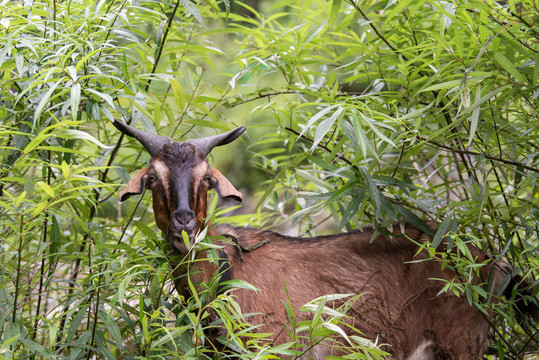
(162, 173)
(201, 170)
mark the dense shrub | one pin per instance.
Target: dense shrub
(358, 113)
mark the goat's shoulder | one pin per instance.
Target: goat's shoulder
(398, 237)
(247, 236)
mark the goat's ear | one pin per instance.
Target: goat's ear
(224, 188)
(136, 185)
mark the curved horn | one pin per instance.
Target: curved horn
(151, 142)
(205, 145)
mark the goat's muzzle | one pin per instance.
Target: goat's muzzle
(182, 220)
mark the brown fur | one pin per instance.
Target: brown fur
(399, 305)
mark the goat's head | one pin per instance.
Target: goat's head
(179, 177)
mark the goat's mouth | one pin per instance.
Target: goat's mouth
(176, 239)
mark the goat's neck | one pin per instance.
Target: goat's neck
(198, 271)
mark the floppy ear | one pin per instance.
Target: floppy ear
(135, 186)
(224, 188)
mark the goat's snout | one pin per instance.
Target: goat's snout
(184, 220)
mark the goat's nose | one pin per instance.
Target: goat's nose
(185, 218)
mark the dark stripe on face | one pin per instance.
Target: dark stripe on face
(163, 195)
(180, 194)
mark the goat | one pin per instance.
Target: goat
(400, 303)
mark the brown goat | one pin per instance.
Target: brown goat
(399, 306)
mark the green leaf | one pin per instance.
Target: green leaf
(396, 11)
(350, 133)
(35, 142)
(106, 97)
(171, 336)
(381, 135)
(80, 135)
(315, 118)
(186, 240)
(475, 115)
(324, 127)
(509, 67)
(193, 10)
(146, 230)
(65, 169)
(45, 100)
(81, 62)
(336, 329)
(318, 313)
(536, 69)
(412, 218)
(56, 236)
(75, 100)
(75, 323)
(441, 231)
(374, 192)
(335, 6)
(114, 330)
(351, 209)
(20, 198)
(179, 94)
(46, 187)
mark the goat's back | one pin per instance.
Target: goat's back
(399, 306)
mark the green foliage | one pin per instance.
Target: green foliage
(358, 112)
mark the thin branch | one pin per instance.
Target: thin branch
(163, 39)
(19, 261)
(371, 24)
(261, 96)
(468, 152)
(340, 156)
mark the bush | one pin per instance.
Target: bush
(358, 112)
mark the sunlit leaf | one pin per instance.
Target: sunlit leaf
(45, 100)
(80, 135)
(325, 126)
(46, 187)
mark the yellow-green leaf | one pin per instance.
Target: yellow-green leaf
(46, 187)
(65, 169)
(179, 94)
(335, 6)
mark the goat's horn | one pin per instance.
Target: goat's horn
(205, 145)
(151, 142)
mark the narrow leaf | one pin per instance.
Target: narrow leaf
(106, 97)
(351, 209)
(412, 218)
(442, 231)
(324, 127)
(46, 187)
(44, 101)
(80, 135)
(315, 118)
(179, 94)
(475, 115)
(376, 130)
(335, 6)
(509, 67)
(337, 330)
(35, 142)
(75, 100)
(193, 10)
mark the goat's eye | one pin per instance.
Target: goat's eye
(207, 178)
(152, 178)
